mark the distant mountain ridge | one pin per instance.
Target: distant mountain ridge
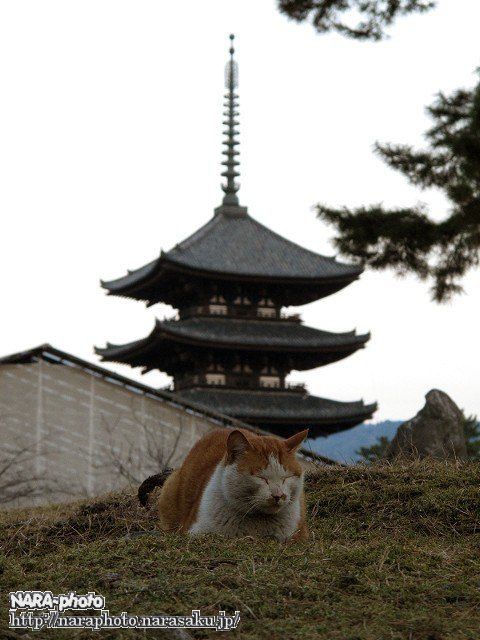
(344, 446)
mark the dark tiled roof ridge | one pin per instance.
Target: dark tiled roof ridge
(270, 404)
(223, 219)
(195, 236)
(281, 334)
(243, 247)
(261, 322)
(273, 393)
(267, 328)
(219, 218)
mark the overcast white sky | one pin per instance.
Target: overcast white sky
(110, 137)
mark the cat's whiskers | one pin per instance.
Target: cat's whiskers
(255, 503)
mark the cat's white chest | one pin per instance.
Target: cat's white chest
(215, 515)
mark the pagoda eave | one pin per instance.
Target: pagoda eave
(173, 342)
(154, 282)
(316, 428)
(168, 361)
(283, 412)
(354, 274)
(246, 334)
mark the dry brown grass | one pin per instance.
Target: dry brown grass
(394, 555)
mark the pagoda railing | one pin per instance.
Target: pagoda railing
(290, 317)
(250, 385)
(238, 312)
(297, 386)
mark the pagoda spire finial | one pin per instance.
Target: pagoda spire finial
(231, 187)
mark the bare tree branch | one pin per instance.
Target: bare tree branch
(16, 478)
(143, 452)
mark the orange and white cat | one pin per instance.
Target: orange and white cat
(236, 483)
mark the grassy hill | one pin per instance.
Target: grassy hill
(394, 555)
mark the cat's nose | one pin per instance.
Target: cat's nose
(278, 497)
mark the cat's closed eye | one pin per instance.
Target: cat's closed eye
(266, 479)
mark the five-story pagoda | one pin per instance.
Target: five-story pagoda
(232, 347)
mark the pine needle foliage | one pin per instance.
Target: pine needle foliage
(410, 240)
(357, 19)
(375, 451)
(471, 429)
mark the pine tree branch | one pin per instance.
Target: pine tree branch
(422, 168)
(398, 238)
(408, 240)
(357, 19)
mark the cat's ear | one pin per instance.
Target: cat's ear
(294, 442)
(237, 443)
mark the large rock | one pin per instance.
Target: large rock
(435, 432)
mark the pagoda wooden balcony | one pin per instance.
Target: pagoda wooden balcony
(238, 312)
(230, 382)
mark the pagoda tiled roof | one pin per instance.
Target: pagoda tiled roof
(226, 332)
(233, 243)
(292, 408)
(274, 333)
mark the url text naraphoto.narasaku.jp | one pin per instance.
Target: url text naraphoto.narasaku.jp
(37, 610)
